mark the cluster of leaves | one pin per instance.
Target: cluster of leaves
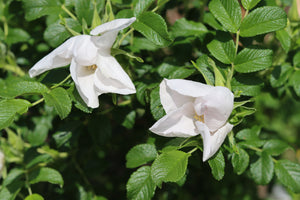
(249, 46)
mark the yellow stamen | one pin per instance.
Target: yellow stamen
(92, 67)
(199, 118)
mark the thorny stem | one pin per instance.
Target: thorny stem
(68, 12)
(193, 150)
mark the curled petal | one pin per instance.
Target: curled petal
(84, 81)
(59, 57)
(218, 105)
(177, 123)
(171, 99)
(212, 142)
(115, 25)
(84, 51)
(111, 78)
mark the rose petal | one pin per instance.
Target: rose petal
(111, 78)
(84, 81)
(115, 25)
(177, 123)
(218, 105)
(59, 57)
(212, 142)
(85, 52)
(171, 99)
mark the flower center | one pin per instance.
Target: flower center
(199, 118)
(92, 67)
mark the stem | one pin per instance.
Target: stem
(27, 183)
(237, 42)
(125, 35)
(184, 141)
(37, 102)
(60, 83)
(194, 149)
(68, 12)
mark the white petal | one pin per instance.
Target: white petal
(218, 105)
(171, 99)
(105, 42)
(84, 81)
(2, 162)
(59, 57)
(178, 123)
(189, 88)
(84, 51)
(111, 78)
(115, 25)
(212, 142)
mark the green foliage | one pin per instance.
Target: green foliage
(217, 165)
(240, 161)
(249, 4)
(34, 197)
(262, 170)
(140, 154)
(289, 174)
(185, 28)
(46, 174)
(38, 9)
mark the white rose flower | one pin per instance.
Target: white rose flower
(93, 69)
(194, 108)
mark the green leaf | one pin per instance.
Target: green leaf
(262, 170)
(246, 84)
(46, 174)
(56, 33)
(249, 4)
(154, 28)
(185, 28)
(285, 39)
(60, 100)
(34, 197)
(16, 35)
(13, 175)
(288, 174)
(203, 66)
(141, 6)
(252, 60)
(78, 102)
(14, 88)
(156, 108)
(263, 20)
(281, 74)
(9, 108)
(295, 81)
(140, 185)
(228, 13)
(43, 158)
(11, 191)
(129, 120)
(36, 9)
(275, 147)
(140, 154)
(240, 161)
(181, 72)
(222, 49)
(296, 59)
(169, 167)
(249, 134)
(84, 9)
(210, 20)
(217, 165)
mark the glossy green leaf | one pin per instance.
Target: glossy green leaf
(156, 108)
(153, 27)
(262, 170)
(46, 174)
(240, 161)
(217, 165)
(184, 28)
(16, 35)
(288, 174)
(203, 66)
(60, 100)
(285, 39)
(227, 12)
(36, 9)
(249, 134)
(295, 82)
(13, 88)
(222, 49)
(84, 10)
(56, 33)
(141, 6)
(246, 84)
(249, 4)
(9, 108)
(169, 167)
(140, 185)
(275, 147)
(140, 154)
(252, 60)
(34, 197)
(263, 20)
